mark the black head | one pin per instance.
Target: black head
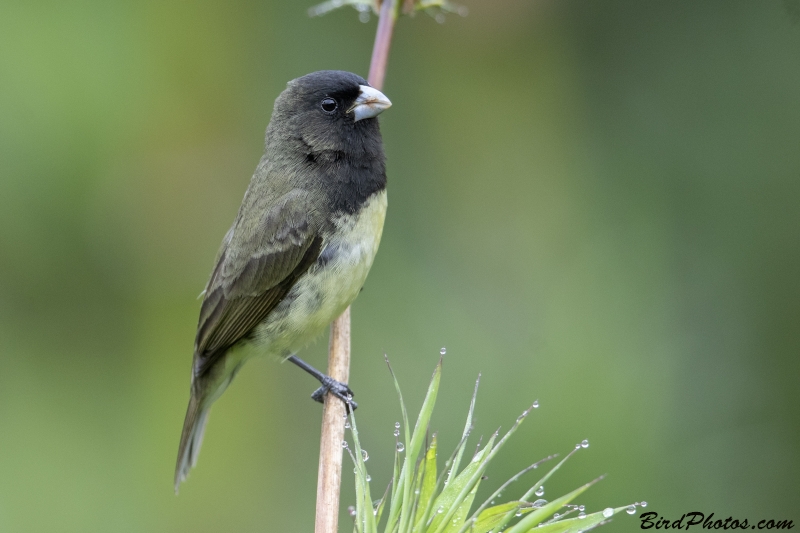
(328, 111)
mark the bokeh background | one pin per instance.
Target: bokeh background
(596, 204)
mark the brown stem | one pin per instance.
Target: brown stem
(383, 38)
(329, 478)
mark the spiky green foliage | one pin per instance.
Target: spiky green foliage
(421, 500)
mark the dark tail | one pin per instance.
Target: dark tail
(193, 427)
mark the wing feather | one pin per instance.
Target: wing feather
(255, 269)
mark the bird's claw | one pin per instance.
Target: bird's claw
(338, 389)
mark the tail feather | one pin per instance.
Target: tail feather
(194, 426)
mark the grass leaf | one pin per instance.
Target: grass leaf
(428, 486)
(576, 525)
(423, 498)
(413, 448)
(455, 523)
(492, 517)
(534, 518)
(454, 492)
(467, 430)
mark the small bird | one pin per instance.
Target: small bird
(301, 245)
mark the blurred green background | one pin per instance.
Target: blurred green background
(596, 204)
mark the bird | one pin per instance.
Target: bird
(301, 245)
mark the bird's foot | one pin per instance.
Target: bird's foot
(338, 389)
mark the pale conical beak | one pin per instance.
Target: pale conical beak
(370, 103)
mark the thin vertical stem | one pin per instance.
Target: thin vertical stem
(329, 479)
(383, 38)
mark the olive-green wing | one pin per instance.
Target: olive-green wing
(258, 264)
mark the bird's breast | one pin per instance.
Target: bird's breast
(332, 282)
(348, 252)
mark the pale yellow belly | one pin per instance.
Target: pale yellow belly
(329, 286)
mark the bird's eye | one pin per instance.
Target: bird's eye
(329, 105)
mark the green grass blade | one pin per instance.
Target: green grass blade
(449, 463)
(359, 518)
(397, 487)
(467, 430)
(576, 525)
(416, 493)
(456, 491)
(382, 505)
(492, 517)
(428, 486)
(404, 490)
(485, 461)
(496, 494)
(446, 471)
(395, 477)
(419, 474)
(533, 519)
(417, 440)
(531, 492)
(366, 516)
(455, 523)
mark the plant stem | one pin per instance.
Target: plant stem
(329, 480)
(383, 38)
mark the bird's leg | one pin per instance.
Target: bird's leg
(337, 388)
